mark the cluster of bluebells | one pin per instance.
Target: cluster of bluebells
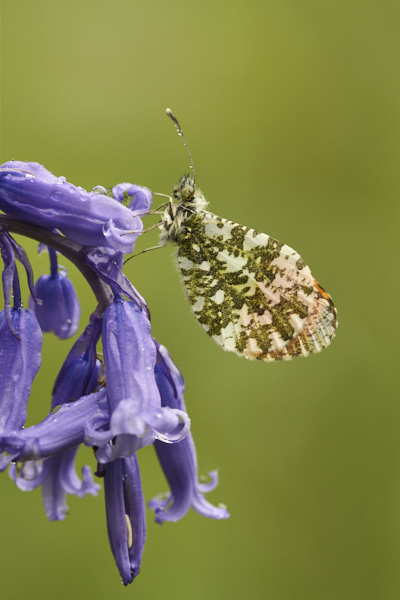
(129, 397)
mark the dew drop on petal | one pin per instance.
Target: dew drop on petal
(99, 189)
(56, 195)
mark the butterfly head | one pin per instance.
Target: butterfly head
(189, 198)
(185, 189)
(190, 202)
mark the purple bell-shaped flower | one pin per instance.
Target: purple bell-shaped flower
(59, 310)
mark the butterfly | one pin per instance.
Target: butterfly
(252, 294)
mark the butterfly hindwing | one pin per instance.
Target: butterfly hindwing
(252, 294)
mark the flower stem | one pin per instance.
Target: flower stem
(71, 250)
(53, 262)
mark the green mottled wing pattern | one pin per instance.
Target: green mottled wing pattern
(252, 294)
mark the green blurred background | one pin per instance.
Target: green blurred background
(291, 110)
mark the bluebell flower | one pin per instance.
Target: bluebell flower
(109, 270)
(129, 357)
(20, 357)
(126, 515)
(137, 198)
(32, 194)
(56, 475)
(80, 373)
(179, 461)
(58, 310)
(10, 279)
(72, 424)
(115, 404)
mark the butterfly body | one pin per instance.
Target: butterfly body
(252, 294)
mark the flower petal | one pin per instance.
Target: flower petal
(32, 194)
(19, 362)
(60, 430)
(126, 515)
(109, 268)
(179, 461)
(136, 197)
(80, 372)
(129, 356)
(59, 310)
(57, 478)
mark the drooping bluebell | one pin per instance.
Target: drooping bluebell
(115, 402)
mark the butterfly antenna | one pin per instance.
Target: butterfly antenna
(171, 115)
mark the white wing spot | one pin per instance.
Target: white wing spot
(232, 263)
(296, 322)
(218, 296)
(199, 304)
(212, 230)
(185, 263)
(205, 265)
(277, 341)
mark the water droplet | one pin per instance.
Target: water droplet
(99, 189)
(56, 195)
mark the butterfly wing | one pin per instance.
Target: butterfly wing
(252, 294)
